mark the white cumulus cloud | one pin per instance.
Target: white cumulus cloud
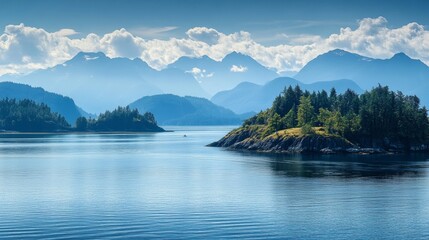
(66, 32)
(121, 43)
(374, 38)
(24, 48)
(200, 73)
(203, 34)
(238, 69)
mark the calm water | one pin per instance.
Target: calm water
(168, 186)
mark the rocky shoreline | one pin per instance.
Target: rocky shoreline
(249, 139)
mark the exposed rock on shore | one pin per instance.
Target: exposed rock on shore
(292, 141)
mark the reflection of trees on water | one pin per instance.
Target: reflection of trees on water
(344, 166)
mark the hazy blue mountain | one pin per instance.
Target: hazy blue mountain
(171, 109)
(399, 72)
(233, 69)
(247, 97)
(65, 106)
(98, 82)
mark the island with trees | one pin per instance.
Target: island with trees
(122, 119)
(28, 116)
(376, 121)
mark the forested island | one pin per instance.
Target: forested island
(122, 119)
(379, 120)
(28, 116)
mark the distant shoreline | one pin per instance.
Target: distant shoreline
(76, 132)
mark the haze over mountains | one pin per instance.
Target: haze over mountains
(98, 82)
(234, 68)
(170, 109)
(250, 97)
(400, 72)
(238, 82)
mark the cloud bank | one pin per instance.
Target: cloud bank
(24, 48)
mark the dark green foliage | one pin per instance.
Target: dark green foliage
(260, 118)
(290, 119)
(149, 117)
(331, 120)
(374, 115)
(388, 114)
(121, 119)
(307, 129)
(333, 98)
(275, 123)
(336, 123)
(320, 100)
(378, 113)
(28, 116)
(306, 113)
(348, 102)
(284, 103)
(81, 124)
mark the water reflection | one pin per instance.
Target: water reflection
(167, 186)
(343, 166)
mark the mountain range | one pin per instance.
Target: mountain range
(234, 68)
(98, 83)
(400, 73)
(170, 109)
(248, 97)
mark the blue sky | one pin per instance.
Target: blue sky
(261, 18)
(284, 35)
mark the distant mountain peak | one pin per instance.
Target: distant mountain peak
(343, 53)
(89, 55)
(339, 52)
(401, 55)
(188, 58)
(249, 97)
(215, 76)
(236, 55)
(400, 72)
(205, 57)
(237, 58)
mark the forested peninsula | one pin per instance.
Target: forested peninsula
(376, 121)
(28, 116)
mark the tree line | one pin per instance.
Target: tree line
(375, 114)
(28, 116)
(120, 119)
